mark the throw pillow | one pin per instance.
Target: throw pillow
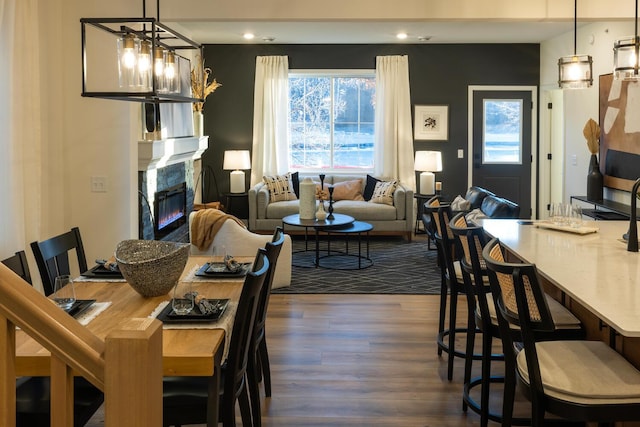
(369, 187)
(348, 190)
(295, 180)
(280, 187)
(383, 192)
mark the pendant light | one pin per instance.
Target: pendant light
(625, 55)
(575, 71)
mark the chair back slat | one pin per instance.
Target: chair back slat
(18, 264)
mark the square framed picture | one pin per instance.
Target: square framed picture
(431, 122)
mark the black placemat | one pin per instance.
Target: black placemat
(205, 271)
(99, 271)
(168, 316)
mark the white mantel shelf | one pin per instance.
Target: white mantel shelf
(165, 152)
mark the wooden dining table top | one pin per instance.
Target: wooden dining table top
(186, 352)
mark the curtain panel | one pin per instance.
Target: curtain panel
(393, 120)
(270, 111)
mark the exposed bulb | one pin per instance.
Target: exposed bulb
(128, 52)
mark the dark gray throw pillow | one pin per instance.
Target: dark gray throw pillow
(369, 187)
(295, 181)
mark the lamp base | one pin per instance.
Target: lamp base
(427, 183)
(236, 182)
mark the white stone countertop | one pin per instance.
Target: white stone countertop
(594, 269)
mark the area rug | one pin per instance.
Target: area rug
(399, 267)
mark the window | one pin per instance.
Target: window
(331, 120)
(502, 131)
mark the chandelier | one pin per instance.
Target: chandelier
(575, 71)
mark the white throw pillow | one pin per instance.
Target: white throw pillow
(280, 187)
(383, 192)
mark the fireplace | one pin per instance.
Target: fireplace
(170, 210)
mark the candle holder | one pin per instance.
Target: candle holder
(330, 203)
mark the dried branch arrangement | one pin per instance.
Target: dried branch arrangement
(199, 78)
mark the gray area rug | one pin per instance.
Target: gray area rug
(398, 267)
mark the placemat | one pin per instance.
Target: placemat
(575, 230)
(93, 312)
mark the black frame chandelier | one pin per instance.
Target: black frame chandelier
(626, 55)
(575, 71)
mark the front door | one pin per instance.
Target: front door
(501, 150)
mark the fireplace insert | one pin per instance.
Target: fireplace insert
(170, 210)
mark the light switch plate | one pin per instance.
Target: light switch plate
(98, 184)
(461, 154)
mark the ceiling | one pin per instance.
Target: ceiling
(373, 32)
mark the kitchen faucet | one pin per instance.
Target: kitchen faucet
(632, 244)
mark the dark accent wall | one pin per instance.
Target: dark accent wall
(439, 74)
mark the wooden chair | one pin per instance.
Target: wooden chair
(187, 399)
(33, 399)
(577, 380)
(259, 368)
(52, 257)
(452, 283)
(18, 264)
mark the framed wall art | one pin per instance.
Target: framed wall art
(431, 122)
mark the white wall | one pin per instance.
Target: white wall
(85, 137)
(595, 39)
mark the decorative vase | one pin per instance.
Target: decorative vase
(321, 215)
(198, 123)
(307, 204)
(595, 181)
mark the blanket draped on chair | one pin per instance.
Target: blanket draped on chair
(206, 224)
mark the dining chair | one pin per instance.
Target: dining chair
(452, 284)
(52, 257)
(187, 400)
(18, 264)
(576, 380)
(259, 367)
(33, 398)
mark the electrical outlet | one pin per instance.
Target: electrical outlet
(574, 160)
(98, 184)
(461, 154)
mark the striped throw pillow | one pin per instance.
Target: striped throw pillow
(280, 187)
(383, 192)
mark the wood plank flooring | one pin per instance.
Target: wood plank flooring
(358, 360)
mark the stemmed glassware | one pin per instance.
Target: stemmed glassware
(64, 293)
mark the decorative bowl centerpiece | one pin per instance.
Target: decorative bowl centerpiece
(151, 267)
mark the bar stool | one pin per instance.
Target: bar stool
(577, 380)
(472, 240)
(452, 283)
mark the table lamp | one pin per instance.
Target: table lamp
(428, 162)
(236, 160)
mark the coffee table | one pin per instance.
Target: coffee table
(339, 220)
(356, 227)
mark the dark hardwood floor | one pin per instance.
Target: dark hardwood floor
(358, 360)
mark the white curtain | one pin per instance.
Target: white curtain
(20, 126)
(393, 120)
(270, 112)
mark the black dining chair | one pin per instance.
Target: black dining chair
(259, 368)
(33, 398)
(187, 400)
(52, 257)
(585, 381)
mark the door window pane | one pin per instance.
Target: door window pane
(502, 131)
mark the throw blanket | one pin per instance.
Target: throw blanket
(205, 225)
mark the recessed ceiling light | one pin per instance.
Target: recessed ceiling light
(401, 36)
(248, 36)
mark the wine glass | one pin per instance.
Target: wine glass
(182, 301)
(64, 293)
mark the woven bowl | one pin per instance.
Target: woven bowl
(151, 267)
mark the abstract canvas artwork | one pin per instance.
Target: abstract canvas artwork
(620, 132)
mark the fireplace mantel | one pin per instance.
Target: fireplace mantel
(165, 152)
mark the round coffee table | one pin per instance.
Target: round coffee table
(339, 220)
(356, 227)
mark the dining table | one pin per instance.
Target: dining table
(188, 349)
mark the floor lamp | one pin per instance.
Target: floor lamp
(428, 162)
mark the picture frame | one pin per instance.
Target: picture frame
(431, 122)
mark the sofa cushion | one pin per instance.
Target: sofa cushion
(383, 192)
(348, 190)
(369, 187)
(497, 207)
(365, 211)
(280, 187)
(475, 196)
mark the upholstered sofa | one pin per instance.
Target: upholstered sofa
(397, 218)
(236, 240)
(490, 205)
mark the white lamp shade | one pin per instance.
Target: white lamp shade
(428, 161)
(236, 160)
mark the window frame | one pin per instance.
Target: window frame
(332, 73)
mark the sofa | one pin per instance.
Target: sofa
(396, 218)
(484, 203)
(236, 240)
